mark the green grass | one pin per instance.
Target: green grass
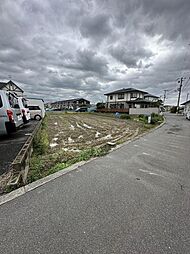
(41, 141)
(41, 166)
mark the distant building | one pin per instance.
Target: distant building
(167, 107)
(187, 107)
(70, 104)
(12, 87)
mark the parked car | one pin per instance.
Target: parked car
(188, 115)
(10, 113)
(92, 109)
(24, 109)
(35, 102)
(35, 112)
(82, 109)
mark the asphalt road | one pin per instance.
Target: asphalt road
(11, 145)
(134, 200)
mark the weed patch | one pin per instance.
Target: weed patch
(41, 141)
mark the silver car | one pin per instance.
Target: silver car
(35, 112)
(188, 115)
(24, 109)
(10, 113)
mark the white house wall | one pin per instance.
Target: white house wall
(153, 99)
(127, 97)
(187, 108)
(15, 90)
(143, 111)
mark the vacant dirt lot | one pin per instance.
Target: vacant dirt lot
(72, 137)
(75, 132)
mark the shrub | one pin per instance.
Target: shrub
(143, 118)
(125, 116)
(155, 118)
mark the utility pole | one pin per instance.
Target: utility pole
(179, 89)
(165, 94)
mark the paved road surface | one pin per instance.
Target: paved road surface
(134, 200)
(10, 145)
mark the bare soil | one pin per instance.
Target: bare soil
(73, 137)
(78, 131)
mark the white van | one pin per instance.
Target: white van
(35, 112)
(36, 107)
(10, 113)
(24, 109)
(188, 115)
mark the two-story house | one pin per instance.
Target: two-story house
(124, 99)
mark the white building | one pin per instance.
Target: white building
(126, 98)
(11, 87)
(187, 107)
(70, 104)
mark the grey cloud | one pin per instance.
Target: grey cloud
(87, 47)
(89, 61)
(130, 56)
(97, 26)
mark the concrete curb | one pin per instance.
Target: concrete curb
(21, 191)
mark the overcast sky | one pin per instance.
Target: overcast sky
(61, 49)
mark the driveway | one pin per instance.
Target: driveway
(10, 145)
(134, 200)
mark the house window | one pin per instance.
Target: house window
(111, 97)
(121, 96)
(133, 95)
(112, 106)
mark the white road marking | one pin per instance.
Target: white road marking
(146, 154)
(149, 172)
